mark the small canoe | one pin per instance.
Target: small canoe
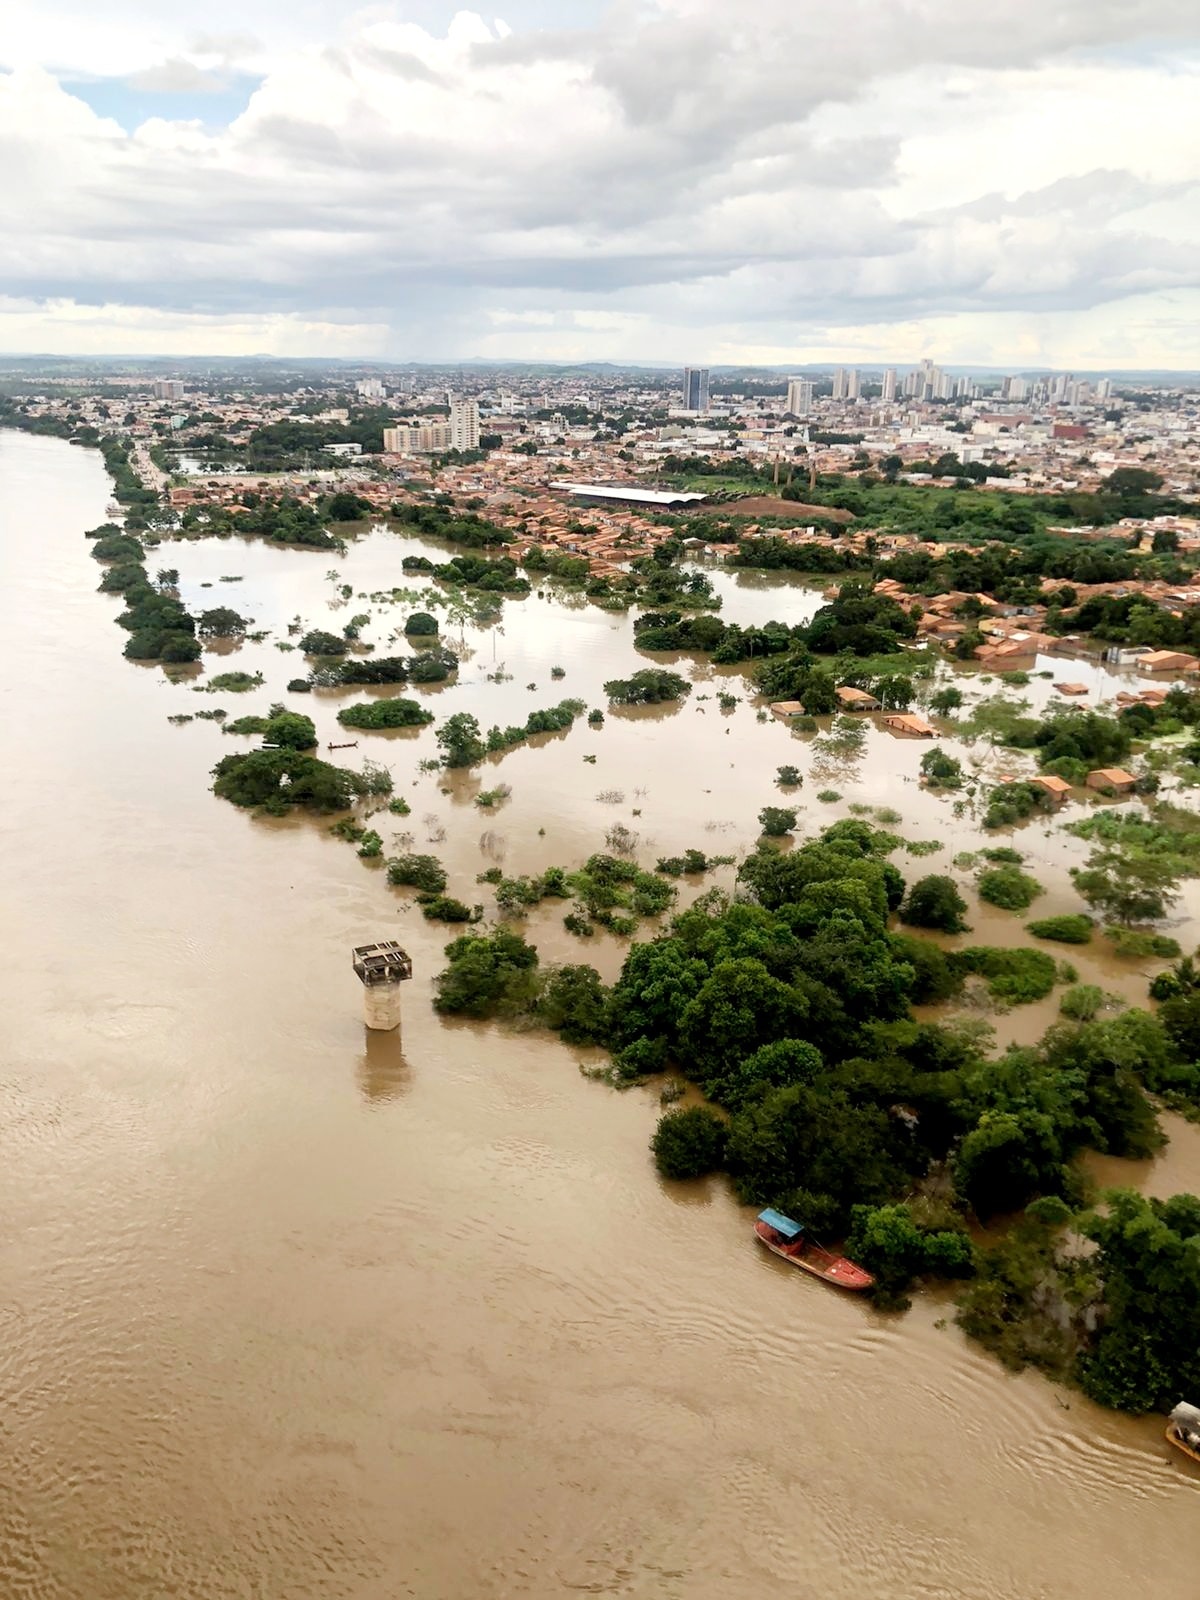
(1183, 1430)
(787, 1239)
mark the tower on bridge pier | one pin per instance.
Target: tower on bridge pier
(382, 968)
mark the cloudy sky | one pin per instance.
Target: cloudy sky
(1015, 184)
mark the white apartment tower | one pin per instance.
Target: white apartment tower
(464, 425)
(839, 384)
(799, 397)
(168, 389)
(889, 384)
(853, 387)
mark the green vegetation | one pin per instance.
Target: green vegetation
(791, 1011)
(941, 771)
(459, 737)
(647, 687)
(118, 547)
(431, 666)
(444, 522)
(1008, 887)
(318, 643)
(1010, 803)
(1138, 944)
(488, 975)
(474, 573)
(1146, 1354)
(233, 683)
(691, 861)
(613, 893)
(276, 780)
(776, 821)
(417, 871)
(935, 902)
(395, 712)
(487, 798)
(1081, 1002)
(1015, 977)
(1133, 873)
(221, 622)
(421, 623)
(289, 730)
(444, 908)
(897, 1247)
(549, 720)
(1074, 928)
(689, 1143)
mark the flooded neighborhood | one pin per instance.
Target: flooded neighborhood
(297, 1308)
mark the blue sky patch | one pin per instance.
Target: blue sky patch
(116, 98)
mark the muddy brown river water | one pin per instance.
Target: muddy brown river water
(287, 1311)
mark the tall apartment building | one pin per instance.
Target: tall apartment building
(168, 389)
(839, 383)
(799, 397)
(370, 389)
(464, 424)
(422, 439)
(695, 388)
(922, 382)
(853, 387)
(889, 384)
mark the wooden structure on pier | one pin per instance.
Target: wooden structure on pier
(386, 962)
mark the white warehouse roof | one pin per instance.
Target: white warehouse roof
(648, 497)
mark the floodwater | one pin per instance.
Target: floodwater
(289, 1311)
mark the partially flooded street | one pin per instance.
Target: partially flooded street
(293, 1311)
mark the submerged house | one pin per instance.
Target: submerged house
(1111, 780)
(1058, 789)
(852, 699)
(909, 722)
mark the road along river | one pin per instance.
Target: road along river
(289, 1312)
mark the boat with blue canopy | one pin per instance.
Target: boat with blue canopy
(785, 1237)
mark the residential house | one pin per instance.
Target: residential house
(909, 722)
(1111, 780)
(1058, 789)
(852, 699)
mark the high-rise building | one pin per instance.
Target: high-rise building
(464, 425)
(853, 387)
(168, 389)
(839, 384)
(1104, 389)
(370, 389)
(695, 388)
(889, 384)
(799, 397)
(427, 438)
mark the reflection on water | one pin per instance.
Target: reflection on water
(293, 1310)
(383, 1073)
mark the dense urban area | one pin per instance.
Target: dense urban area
(1003, 580)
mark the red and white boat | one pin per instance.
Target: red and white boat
(786, 1238)
(1183, 1430)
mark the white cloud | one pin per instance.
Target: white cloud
(675, 175)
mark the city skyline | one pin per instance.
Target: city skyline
(635, 184)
